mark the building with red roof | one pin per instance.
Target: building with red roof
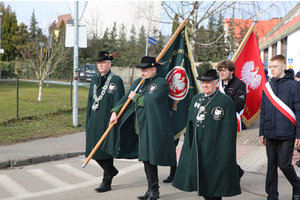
(261, 28)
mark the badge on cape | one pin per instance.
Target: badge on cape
(217, 113)
(112, 88)
(152, 88)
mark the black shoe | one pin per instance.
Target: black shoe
(145, 196)
(153, 195)
(296, 197)
(104, 187)
(169, 179)
(298, 163)
(115, 172)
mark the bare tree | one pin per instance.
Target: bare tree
(204, 9)
(39, 61)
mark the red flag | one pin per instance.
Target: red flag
(249, 68)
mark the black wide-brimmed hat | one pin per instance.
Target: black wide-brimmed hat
(104, 55)
(208, 75)
(148, 61)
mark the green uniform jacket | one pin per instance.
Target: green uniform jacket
(150, 109)
(97, 121)
(207, 163)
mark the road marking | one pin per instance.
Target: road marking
(87, 183)
(254, 160)
(12, 186)
(75, 172)
(48, 178)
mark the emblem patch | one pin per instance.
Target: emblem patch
(152, 88)
(178, 83)
(217, 113)
(112, 88)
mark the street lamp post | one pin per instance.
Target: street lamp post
(1, 13)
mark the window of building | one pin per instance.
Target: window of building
(284, 46)
(274, 49)
(266, 55)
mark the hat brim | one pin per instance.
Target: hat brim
(207, 78)
(104, 58)
(147, 65)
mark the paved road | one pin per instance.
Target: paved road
(26, 174)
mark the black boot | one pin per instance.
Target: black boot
(145, 196)
(104, 187)
(169, 179)
(153, 195)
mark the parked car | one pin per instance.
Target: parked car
(90, 72)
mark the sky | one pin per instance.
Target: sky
(45, 11)
(48, 11)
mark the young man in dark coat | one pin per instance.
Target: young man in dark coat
(234, 88)
(149, 113)
(106, 89)
(212, 123)
(280, 126)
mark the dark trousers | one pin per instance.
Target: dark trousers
(152, 176)
(173, 168)
(109, 170)
(280, 154)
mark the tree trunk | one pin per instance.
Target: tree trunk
(40, 90)
(194, 28)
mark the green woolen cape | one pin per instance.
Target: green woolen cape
(207, 163)
(155, 141)
(97, 121)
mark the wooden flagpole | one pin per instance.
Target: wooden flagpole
(136, 89)
(243, 42)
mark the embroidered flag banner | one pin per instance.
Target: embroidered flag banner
(249, 68)
(179, 70)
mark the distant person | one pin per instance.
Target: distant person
(266, 73)
(106, 89)
(279, 127)
(235, 89)
(207, 163)
(297, 76)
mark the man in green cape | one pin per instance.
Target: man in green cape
(149, 113)
(202, 167)
(106, 89)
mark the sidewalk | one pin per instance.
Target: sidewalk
(250, 155)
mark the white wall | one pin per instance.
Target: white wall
(293, 50)
(101, 14)
(126, 72)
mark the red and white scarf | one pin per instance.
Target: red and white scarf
(280, 105)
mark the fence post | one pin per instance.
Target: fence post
(71, 90)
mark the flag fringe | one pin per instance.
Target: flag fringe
(178, 135)
(249, 122)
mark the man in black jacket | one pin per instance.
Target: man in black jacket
(280, 126)
(233, 87)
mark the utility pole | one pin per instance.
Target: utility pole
(75, 79)
(1, 51)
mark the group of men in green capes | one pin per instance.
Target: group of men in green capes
(145, 131)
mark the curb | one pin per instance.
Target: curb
(37, 159)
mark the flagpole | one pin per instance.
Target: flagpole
(128, 100)
(243, 42)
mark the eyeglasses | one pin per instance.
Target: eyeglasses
(274, 66)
